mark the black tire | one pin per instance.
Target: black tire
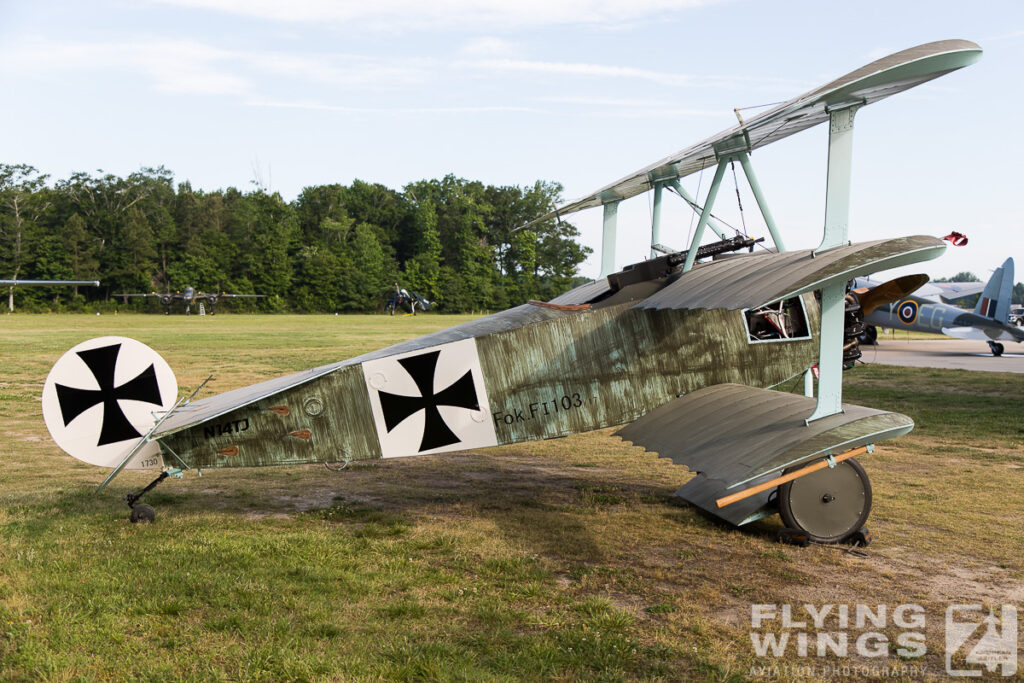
(830, 504)
(997, 349)
(142, 513)
(869, 336)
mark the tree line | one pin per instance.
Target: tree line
(335, 248)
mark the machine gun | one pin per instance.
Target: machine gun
(663, 266)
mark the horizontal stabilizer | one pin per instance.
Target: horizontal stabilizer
(985, 330)
(752, 280)
(734, 434)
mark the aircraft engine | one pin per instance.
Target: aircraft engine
(853, 328)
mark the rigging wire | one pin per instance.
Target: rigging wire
(758, 106)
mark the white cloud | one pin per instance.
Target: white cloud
(578, 69)
(627, 107)
(489, 46)
(178, 66)
(318, 106)
(191, 67)
(462, 14)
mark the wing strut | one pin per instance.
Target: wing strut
(611, 213)
(833, 297)
(656, 219)
(755, 187)
(709, 203)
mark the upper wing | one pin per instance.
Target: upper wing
(876, 81)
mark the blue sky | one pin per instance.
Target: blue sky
(581, 92)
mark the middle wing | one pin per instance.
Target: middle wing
(750, 280)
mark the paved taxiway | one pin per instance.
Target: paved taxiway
(953, 354)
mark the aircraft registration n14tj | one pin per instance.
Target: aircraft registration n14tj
(683, 349)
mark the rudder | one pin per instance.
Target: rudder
(994, 301)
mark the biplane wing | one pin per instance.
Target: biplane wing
(760, 279)
(748, 280)
(682, 351)
(733, 435)
(868, 84)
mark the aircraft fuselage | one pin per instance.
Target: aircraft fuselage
(533, 372)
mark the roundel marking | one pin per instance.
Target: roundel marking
(907, 312)
(99, 400)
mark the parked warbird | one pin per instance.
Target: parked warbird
(925, 310)
(682, 349)
(189, 296)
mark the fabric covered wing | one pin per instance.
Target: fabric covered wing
(734, 434)
(870, 83)
(747, 281)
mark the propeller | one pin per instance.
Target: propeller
(888, 292)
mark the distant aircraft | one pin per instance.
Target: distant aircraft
(684, 349)
(41, 283)
(405, 298)
(190, 296)
(924, 311)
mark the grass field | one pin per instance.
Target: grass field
(567, 559)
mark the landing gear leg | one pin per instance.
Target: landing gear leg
(997, 348)
(829, 505)
(140, 511)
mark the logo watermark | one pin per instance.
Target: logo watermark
(986, 641)
(977, 639)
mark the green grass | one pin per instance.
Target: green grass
(567, 559)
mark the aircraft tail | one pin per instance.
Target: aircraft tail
(994, 302)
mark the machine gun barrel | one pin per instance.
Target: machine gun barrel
(663, 266)
(714, 249)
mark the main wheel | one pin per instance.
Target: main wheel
(869, 336)
(997, 348)
(829, 504)
(142, 513)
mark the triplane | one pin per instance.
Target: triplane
(684, 349)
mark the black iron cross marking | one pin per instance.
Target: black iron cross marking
(460, 394)
(116, 427)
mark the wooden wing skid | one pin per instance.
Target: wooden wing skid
(734, 435)
(742, 282)
(870, 83)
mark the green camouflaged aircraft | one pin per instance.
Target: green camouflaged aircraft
(683, 349)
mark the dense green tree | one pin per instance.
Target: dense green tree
(81, 248)
(335, 248)
(24, 199)
(367, 272)
(422, 271)
(962, 276)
